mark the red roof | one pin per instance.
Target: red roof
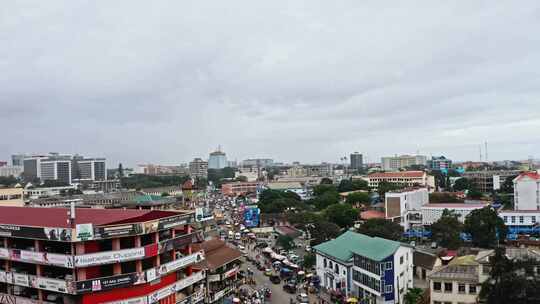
(57, 217)
(533, 175)
(370, 214)
(456, 205)
(217, 254)
(398, 174)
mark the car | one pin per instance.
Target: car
(268, 272)
(290, 288)
(302, 298)
(275, 279)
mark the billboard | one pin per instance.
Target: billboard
(251, 216)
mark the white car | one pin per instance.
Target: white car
(302, 298)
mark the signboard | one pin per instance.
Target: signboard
(118, 231)
(230, 273)
(20, 279)
(203, 214)
(174, 221)
(109, 257)
(50, 284)
(175, 243)
(38, 233)
(11, 299)
(157, 272)
(84, 232)
(42, 258)
(214, 278)
(118, 281)
(178, 286)
(4, 253)
(252, 216)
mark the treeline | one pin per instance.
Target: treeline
(138, 181)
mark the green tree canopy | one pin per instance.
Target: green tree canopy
(462, 184)
(508, 185)
(414, 296)
(138, 181)
(345, 185)
(322, 231)
(385, 186)
(241, 178)
(309, 260)
(326, 199)
(381, 228)
(286, 242)
(323, 188)
(326, 181)
(274, 201)
(484, 225)
(8, 180)
(341, 214)
(360, 184)
(447, 229)
(474, 194)
(443, 198)
(358, 198)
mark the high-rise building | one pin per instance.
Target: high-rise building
(198, 168)
(217, 160)
(56, 169)
(258, 162)
(439, 163)
(357, 161)
(18, 159)
(90, 169)
(65, 168)
(394, 163)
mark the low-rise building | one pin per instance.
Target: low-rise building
(11, 196)
(394, 163)
(407, 178)
(424, 263)
(382, 269)
(405, 206)
(457, 282)
(294, 187)
(239, 188)
(488, 181)
(222, 265)
(440, 163)
(527, 191)
(431, 213)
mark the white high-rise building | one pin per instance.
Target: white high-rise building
(527, 191)
(394, 163)
(217, 160)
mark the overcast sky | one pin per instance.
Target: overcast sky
(166, 81)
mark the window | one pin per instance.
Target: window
(521, 219)
(447, 287)
(486, 269)
(513, 218)
(533, 219)
(388, 265)
(330, 265)
(437, 286)
(401, 260)
(336, 269)
(472, 289)
(461, 288)
(505, 218)
(388, 289)
(325, 263)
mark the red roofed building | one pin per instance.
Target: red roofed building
(96, 255)
(408, 178)
(371, 214)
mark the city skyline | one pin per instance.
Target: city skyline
(296, 81)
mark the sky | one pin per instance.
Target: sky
(311, 81)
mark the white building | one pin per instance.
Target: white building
(527, 191)
(407, 178)
(405, 206)
(522, 218)
(394, 163)
(456, 283)
(431, 213)
(11, 171)
(217, 160)
(382, 271)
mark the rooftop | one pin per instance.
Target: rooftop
(345, 245)
(217, 253)
(284, 185)
(461, 269)
(533, 175)
(57, 217)
(455, 205)
(371, 214)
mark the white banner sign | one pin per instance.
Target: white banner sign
(4, 253)
(155, 273)
(178, 286)
(21, 279)
(50, 284)
(43, 258)
(109, 257)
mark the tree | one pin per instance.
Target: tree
(228, 172)
(8, 180)
(286, 242)
(120, 170)
(241, 178)
(446, 231)
(345, 185)
(341, 214)
(414, 296)
(309, 260)
(462, 184)
(485, 227)
(326, 181)
(385, 186)
(201, 182)
(326, 199)
(381, 228)
(274, 201)
(510, 281)
(360, 184)
(444, 198)
(164, 194)
(474, 194)
(322, 231)
(323, 188)
(508, 185)
(357, 198)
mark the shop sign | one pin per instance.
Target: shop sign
(174, 221)
(231, 272)
(4, 253)
(42, 258)
(84, 232)
(178, 286)
(39, 233)
(118, 231)
(109, 257)
(157, 272)
(20, 279)
(107, 283)
(175, 243)
(50, 284)
(11, 299)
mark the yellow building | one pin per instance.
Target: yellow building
(11, 197)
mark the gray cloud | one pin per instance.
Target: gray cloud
(304, 80)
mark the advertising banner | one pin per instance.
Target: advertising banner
(102, 284)
(42, 258)
(20, 279)
(203, 214)
(50, 284)
(11, 299)
(38, 233)
(178, 286)
(109, 257)
(157, 272)
(173, 221)
(6, 277)
(177, 242)
(4, 253)
(118, 231)
(230, 273)
(251, 216)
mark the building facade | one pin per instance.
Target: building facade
(239, 188)
(198, 168)
(357, 161)
(217, 160)
(97, 256)
(405, 206)
(527, 191)
(407, 178)
(14, 171)
(440, 163)
(394, 163)
(431, 213)
(488, 181)
(258, 162)
(456, 283)
(382, 270)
